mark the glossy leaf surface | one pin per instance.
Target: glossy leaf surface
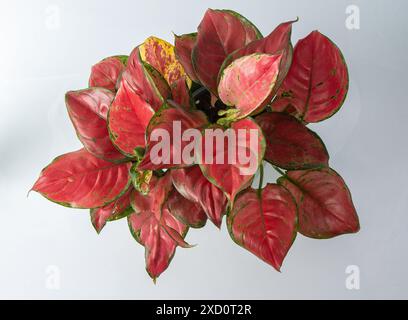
(248, 82)
(231, 171)
(184, 45)
(290, 144)
(325, 206)
(220, 33)
(317, 82)
(105, 74)
(149, 222)
(80, 180)
(88, 112)
(194, 186)
(265, 223)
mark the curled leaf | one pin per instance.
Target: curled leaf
(188, 212)
(88, 112)
(149, 223)
(118, 209)
(194, 186)
(325, 206)
(105, 74)
(264, 222)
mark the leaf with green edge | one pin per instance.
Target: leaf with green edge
(277, 42)
(290, 144)
(128, 119)
(158, 80)
(247, 84)
(325, 206)
(181, 93)
(165, 146)
(188, 212)
(160, 54)
(317, 83)
(232, 156)
(220, 33)
(80, 180)
(88, 110)
(194, 186)
(105, 74)
(183, 46)
(118, 209)
(147, 225)
(264, 222)
(141, 82)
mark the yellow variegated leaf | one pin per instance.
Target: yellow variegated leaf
(160, 55)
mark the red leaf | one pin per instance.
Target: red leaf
(220, 33)
(325, 206)
(277, 42)
(118, 209)
(161, 84)
(88, 111)
(235, 174)
(105, 74)
(265, 223)
(141, 82)
(290, 144)
(172, 120)
(317, 82)
(184, 45)
(181, 93)
(188, 212)
(80, 180)
(248, 82)
(147, 225)
(192, 185)
(128, 119)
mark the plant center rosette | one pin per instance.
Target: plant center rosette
(146, 156)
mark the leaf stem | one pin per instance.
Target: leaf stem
(261, 177)
(279, 170)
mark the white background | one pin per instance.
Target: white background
(48, 47)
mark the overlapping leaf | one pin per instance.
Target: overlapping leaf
(276, 43)
(160, 55)
(220, 33)
(317, 82)
(290, 144)
(247, 84)
(149, 223)
(232, 164)
(128, 119)
(116, 210)
(80, 180)
(88, 112)
(194, 186)
(188, 212)
(105, 74)
(264, 222)
(325, 206)
(166, 147)
(184, 45)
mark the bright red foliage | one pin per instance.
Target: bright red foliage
(225, 77)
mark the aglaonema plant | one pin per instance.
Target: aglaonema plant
(226, 75)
